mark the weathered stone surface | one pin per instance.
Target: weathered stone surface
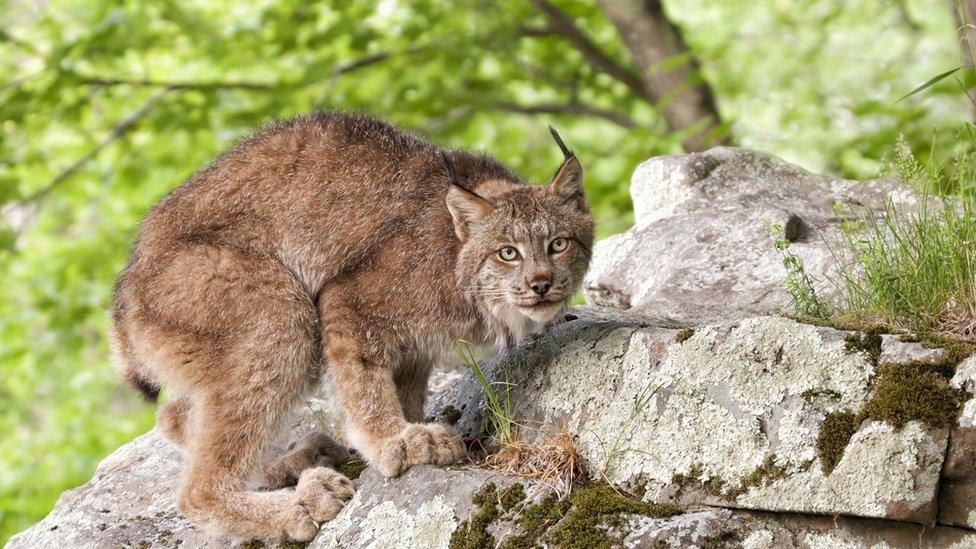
(700, 250)
(728, 416)
(896, 351)
(752, 530)
(422, 508)
(129, 502)
(957, 495)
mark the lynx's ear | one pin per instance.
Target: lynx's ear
(466, 207)
(567, 183)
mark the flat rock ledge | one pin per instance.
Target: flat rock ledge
(721, 420)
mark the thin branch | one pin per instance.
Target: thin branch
(118, 131)
(362, 62)
(173, 84)
(563, 25)
(130, 121)
(573, 109)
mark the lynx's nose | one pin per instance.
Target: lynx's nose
(540, 285)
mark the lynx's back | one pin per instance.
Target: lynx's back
(341, 183)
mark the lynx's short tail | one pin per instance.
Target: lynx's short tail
(130, 367)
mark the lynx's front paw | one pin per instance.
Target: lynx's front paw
(319, 496)
(417, 444)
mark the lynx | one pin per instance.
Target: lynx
(330, 247)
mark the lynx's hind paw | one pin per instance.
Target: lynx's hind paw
(315, 449)
(320, 495)
(417, 444)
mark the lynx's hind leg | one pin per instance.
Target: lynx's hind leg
(240, 335)
(315, 449)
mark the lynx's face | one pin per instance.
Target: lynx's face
(524, 249)
(530, 253)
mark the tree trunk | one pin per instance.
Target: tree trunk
(669, 73)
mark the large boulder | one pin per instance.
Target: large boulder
(740, 414)
(700, 248)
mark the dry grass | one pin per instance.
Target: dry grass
(552, 461)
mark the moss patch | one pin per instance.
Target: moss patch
(512, 496)
(903, 393)
(815, 394)
(869, 342)
(535, 520)
(684, 335)
(760, 476)
(597, 509)
(714, 485)
(474, 533)
(835, 433)
(450, 415)
(352, 468)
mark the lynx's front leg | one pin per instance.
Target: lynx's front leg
(375, 418)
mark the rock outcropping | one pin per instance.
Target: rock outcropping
(704, 418)
(701, 248)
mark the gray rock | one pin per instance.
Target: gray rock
(129, 502)
(957, 495)
(699, 249)
(896, 351)
(727, 416)
(751, 530)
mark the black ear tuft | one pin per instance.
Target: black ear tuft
(559, 141)
(451, 170)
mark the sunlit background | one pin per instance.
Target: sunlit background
(106, 105)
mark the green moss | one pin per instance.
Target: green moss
(450, 415)
(352, 468)
(684, 335)
(596, 509)
(714, 485)
(512, 496)
(903, 393)
(758, 477)
(869, 342)
(535, 520)
(292, 545)
(835, 433)
(815, 394)
(474, 533)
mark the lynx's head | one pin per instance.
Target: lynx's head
(524, 248)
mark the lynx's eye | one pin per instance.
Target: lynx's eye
(558, 245)
(508, 253)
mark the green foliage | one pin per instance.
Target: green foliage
(915, 268)
(499, 422)
(800, 286)
(106, 106)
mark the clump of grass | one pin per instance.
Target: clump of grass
(552, 462)
(913, 268)
(499, 410)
